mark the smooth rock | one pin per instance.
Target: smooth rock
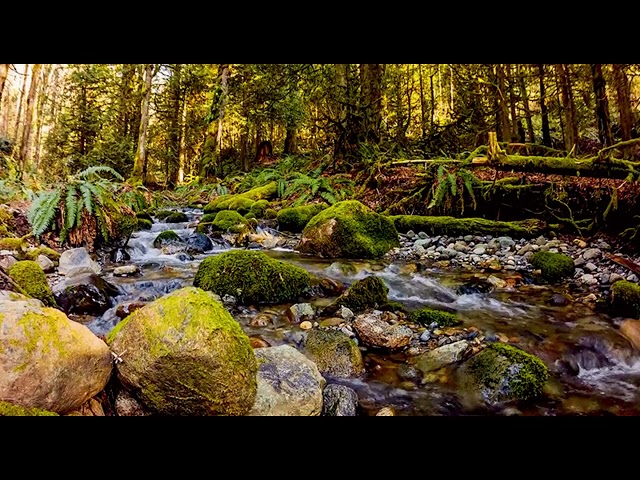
(375, 332)
(591, 253)
(300, 312)
(77, 260)
(339, 401)
(441, 356)
(47, 265)
(306, 325)
(591, 267)
(630, 329)
(126, 270)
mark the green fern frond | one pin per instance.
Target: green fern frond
(329, 197)
(99, 169)
(453, 184)
(70, 210)
(43, 210)
(281, 187)
(88, 198)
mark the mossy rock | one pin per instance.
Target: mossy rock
(145, 216)
(31, 278)
(177, 217)
(426, 316)
(166, 237)
(334, 353)
(501, 373)
(294, 219)
(625, 299)
(259, 208)
(144, 224)
(270, 214)
(370, 292)
(241, 204)
(251, 277)
(208, 218)
(348, 229)
(554, 266)
(186, 355)
(226, 202)
(392, 307)
(19, 245)
(10, 410)
(443, 225)
(162, 214)
(229, 221)
(50, 253)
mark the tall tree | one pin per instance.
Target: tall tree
(4, 71)
(25, 144)
(568, 107)
(140, 159)
(546, 131)
(623, 91)
(23, 91)
(504, 129)
(525, 104)
(602, 105)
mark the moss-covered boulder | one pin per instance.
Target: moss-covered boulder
(334, 353)
(553, 266)
(46, 360)
(166, 237)
(144, 216)
(143, 224)
(229, 221)
(177, 217)
(625, 299)
(162, 214)
(501, 373)
(50, 253)
(10, 410)
(251, 277)
(259, 208)
(186, 355)
(348, 229)
(31, 278)
(270, 214)
(370, 292)
(294, 219)
(443, 225)
(427, 316)
(239, 201)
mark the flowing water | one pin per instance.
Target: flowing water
(594, 370)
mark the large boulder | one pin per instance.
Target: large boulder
(198, 243)
(77, 260)
(251, 277)
(184, 354)
(294, 219)
(348, 229)
(46, 360)
(29, 276)
(85, 294)
(289, 384)
(334, 353)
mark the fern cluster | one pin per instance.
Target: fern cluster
(449, 188)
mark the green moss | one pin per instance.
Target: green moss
(426, 316)
(294, 219)
(9, 410)
(505, 372)
(42, 250)
(168, 236)
(177, 217)
(13, 244)
(239, 201)
(241, 204)
(143, 224)
(251, 277)
(258, 208)
(334, 353)
(392, 307)
(208, 218)
(554, 266)
(270, 214)
(30, 277)
(625, 298)
(370, 292)
(162, 214)
(229, 221)
(467, 226)
(145, 216)
(350, 230)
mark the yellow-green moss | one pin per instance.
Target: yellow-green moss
(294, 219)
(251, 277)
(370, 292)
(467, 226)
(42, 250)
(226, 202)
(553, 266)
(229, 221)
(426, 316)
(168, 236)
(258, 208)
(270, 214)
(162, 214)
(145, 216)
(31, 278)
(334, 353)
(349, 229)
(625, 298)
(14, 244)
(144, 224)
(241, 204)
(9, 410)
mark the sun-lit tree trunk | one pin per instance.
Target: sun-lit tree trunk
(23, 92)
(602, 105)
(4, 72)
(183, 141)
(140, 159)
(423, 117)
(224, 87)
(515, 125)
(172, 160)
(525, 103)
(623, 92)
(42, 98)
(25, 144)
(503, 108)
(568, 107)
(546, 132)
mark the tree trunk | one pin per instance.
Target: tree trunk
(4, 71)
(140, 159)
(371, 100)
(25, 144)
(423, 121)
(602, 105)
(503, 109)
(183, 141)
(525, 103)
(23, 91)
(290, 144)
(42, 98)
(546, 133)
(512, 103)
(224, 85)
(624, 104)
(126, 94)
(172, 161)
(568, 107)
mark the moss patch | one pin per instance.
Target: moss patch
(625, 298)
(31, 278)
(334, 352)
(258, 208)
(144, 216)
(251, 277)
(9, 410)
(554, 266)
(177, 217)
(467, 226)
(239, 201)
(426, 316)
(143, 224)
(294, 219)
(370, 292)
(14, 244)
(42, 250)
(168, 236)
(162, 214)
(229, 221)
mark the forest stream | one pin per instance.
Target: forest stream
(593, 369)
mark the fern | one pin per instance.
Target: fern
(88, 198)
(71, 206)
(43, 210)
(91, 171)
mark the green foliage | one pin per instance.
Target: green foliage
(444, 225)
(426, 316)
(312, 187)
(448, 190)
(43, 210)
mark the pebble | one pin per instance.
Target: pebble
(306, 325)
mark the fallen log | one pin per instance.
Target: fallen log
(444, 225)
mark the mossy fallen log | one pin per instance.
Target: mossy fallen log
(444, 225)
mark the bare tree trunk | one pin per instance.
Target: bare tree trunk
(224, 85)
(172, 160)
(512, 103)
(602, 105)
(140, 159)
(525, 104)
(28, 120)
(183, 141)
(42, 98)
(23, 91)
(568, 107)
(546, 133)
(4, 71)
(624, 104)
(433, 102)
(371, 96)
(503, 109)
(423, 122)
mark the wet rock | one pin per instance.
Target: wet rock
(474, 285)
(257, 341)
(423, 235)
(331, 287)
(198, 243)
(300, 312)
(339, 401)
(128, 406)
(7, 261)
(126, 270)
(441, 356)
(591, 267)
(345, 313)
(47, 265)
(261, 320)
(386, 412)
(183, 257)
(306, 325)
(119, 255)
(630, 329)
(289, 384)
(588, 279)
(426, 336)
(591, 253)
(614, 277)
(496, 282)
(558, 300)
(334, 353)
(506, 242)
(422, 242)
(85, 294)
(580, 243)
(410, 235)
(331, 322)
(126, 309)
(632, 278)
(77, 260)
(373, 331)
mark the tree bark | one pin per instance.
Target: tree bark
(4, 72)
(525, 103)
(224, 85)
(42, 99)
(602, 105)
(140, 159)
(568, 107)
(503, 109)
(25, 144)
(546, 132)
(423, 122)
(624, 104)
(172, 160)
(512, 103)
(371, 100)
(183, 141)
(23, 90)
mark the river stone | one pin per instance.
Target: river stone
(375, 332)
(630, 329)
(441, 356)
(632, 277)
(198, 243)
(614, 277)
(77, 260)
(52, 363)
(300, 312)
(496, 282)
(423, 235)
(339, 401)
(591, 253)
(47, 265)
(289, 384)
(479, 250)
(85, 294)
(540, 241)
(7, 261)
(588, 279)
(386, 412)
(126, 270)
(345, 313)
(128, 406)
(579, 262)
(184, 354)
(334, 353)
(591, 267)
(506, 242)
(422, 242)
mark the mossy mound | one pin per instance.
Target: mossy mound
(426, 316)
(50, 253)
(19, 245)
(625, 299)
(177, 217)
(370, 292)
(294, 219)
(163, 238)
(348, 229)
(241, 201)
(6, 222)
(554, 266)
(186, 355)
(259, 208)
(145, 216)
(334, 353)
(162, 214)
(270, 214)
(144, 224)
(502, 373)
(251, 277)
(31, 278)
(229, 221)
(467, 226)
(240, 204)
(9, 410)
